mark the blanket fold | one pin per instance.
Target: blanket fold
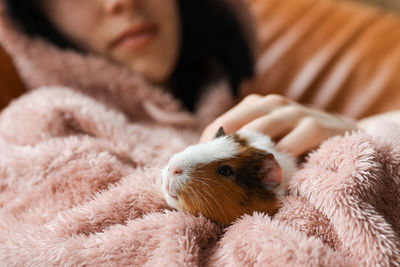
(354, 181)
(80, 186)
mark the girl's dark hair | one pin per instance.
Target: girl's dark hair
(27, 15)
(212, 42)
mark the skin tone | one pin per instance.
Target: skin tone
(141, 34)
(144, 35)
(296, 129)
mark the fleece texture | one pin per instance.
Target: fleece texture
(80, 177)
(80, 186)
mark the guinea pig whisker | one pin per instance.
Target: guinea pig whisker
(197, 180)
(236, 189)
(227, 199)
(211, 180)
(205, 199)
(219, 206)
(207, 179)
(200, 181)
(195, 201)
(206, 207)
(201, 165)
(214, 200)
(209, 186)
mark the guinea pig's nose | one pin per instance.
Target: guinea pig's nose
(177, 171)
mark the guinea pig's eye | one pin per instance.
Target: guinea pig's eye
(225, 170)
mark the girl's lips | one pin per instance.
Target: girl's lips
(136, 36)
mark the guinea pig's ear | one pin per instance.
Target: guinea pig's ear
(220, 132)
(270, 172)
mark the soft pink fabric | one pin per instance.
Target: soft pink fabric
(80, 185)
(80, 178)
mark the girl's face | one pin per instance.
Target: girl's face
(142, 34)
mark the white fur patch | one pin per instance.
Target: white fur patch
(165, 177)
(258, 140)
(217, 149)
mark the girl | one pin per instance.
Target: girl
(183, 47)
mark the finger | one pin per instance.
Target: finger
(278, 123)
(305, 137)
(251, 108)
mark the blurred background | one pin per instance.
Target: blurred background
(389, 4)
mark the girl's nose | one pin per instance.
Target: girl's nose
(116, 7)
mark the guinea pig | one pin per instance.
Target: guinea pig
(227, 177)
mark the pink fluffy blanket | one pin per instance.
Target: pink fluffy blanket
(80, 186)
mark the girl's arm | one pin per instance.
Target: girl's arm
(392, 116)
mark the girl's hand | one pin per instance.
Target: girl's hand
(296, 129)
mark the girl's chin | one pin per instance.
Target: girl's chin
(146, 63)
(154, 72)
